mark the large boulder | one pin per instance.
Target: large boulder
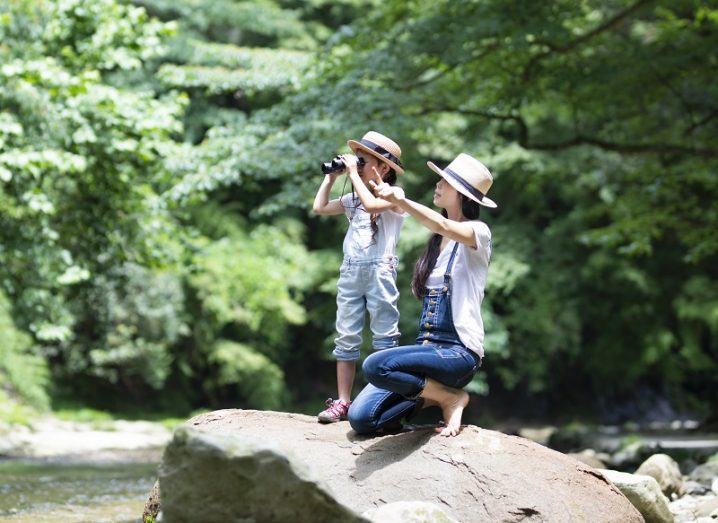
(708, 508)
(644, 493)
(684, 508)
(588, 457)
(220, 477)
(665, 471)
(705, 473)
(480, 475)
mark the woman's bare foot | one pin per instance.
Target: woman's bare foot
(451, 401)
(452, 410)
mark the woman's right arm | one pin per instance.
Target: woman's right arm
(461, 232)
(322, 204)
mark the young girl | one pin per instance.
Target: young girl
(367, 277)
(450, 278)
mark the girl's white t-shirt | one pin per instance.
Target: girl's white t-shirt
(468, 280)
(359, 242)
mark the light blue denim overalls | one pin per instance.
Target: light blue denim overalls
(367, 282)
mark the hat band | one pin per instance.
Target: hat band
(381, 151)
(475, 192)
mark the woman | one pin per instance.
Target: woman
(450, 277)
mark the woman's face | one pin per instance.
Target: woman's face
(445, 196)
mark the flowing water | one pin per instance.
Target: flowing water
(104, 490)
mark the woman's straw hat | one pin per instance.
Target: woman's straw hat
(469, 176)
(380, 146)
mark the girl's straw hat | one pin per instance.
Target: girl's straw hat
(469, 176)
(380, 146)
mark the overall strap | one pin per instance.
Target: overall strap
(447, 274)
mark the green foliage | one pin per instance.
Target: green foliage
(155, 177)
(236, 22)
(598, 122)
(141, 314)
(252, 283)
(257, 379)
(22, 370)
(81, 165)
(15, 411)
(223, 68)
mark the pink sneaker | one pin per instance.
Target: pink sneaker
(336, 411)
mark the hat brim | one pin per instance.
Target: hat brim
(485, 201)
(354, 145)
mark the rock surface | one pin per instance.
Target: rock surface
(665, 471)
(589, 458)
(705, 473)
(644, 493)
(409, 512)
(480, 475)
(708, 508)
(221, 477)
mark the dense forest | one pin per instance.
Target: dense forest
(158, 161)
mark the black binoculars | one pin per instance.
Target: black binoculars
(337, 165)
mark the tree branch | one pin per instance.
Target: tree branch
(421, 83)
(626, 148)
(570, 46)
(702, 122)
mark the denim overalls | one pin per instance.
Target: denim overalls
(397, 376)
(367, 282)
(437, 323)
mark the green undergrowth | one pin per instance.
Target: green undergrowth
(15, 413)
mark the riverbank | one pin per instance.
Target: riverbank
(49, 436)
(90, 468)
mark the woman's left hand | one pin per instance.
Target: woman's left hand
(390, 193)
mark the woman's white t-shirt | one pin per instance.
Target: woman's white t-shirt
(468, 280)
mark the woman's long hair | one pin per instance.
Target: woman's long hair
(390, 178)
(426, 262)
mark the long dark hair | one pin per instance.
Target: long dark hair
(426, 262)
(390, 178)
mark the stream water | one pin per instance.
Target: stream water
(88, 491)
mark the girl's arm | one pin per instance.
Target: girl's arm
(462, 232)
(322, 204)
(371, 203)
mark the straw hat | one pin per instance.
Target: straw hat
(469, 176)
(380, 146)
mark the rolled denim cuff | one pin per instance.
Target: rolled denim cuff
(417, 396)
(346, 354)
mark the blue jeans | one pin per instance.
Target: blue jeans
(366, 285)
(397, 376)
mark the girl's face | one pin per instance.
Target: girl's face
(445, 196)
(365, 172)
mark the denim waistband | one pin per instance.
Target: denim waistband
(374, 259)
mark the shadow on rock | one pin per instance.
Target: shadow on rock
(389, 450)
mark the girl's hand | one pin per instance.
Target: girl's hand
(351, 163)
(390, 193)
